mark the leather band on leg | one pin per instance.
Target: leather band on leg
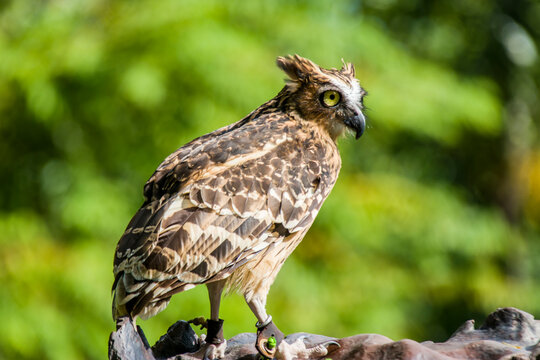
(214, 335)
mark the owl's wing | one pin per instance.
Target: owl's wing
(205, 217)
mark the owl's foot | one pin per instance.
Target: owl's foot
(210, 351)
(270, 344)
(213, 345)
(298, 350)
(215, 351)
(269, 337)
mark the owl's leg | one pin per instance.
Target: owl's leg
(214, 342)
(214, 336)
(269, 337)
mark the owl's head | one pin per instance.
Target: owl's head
(331, 97)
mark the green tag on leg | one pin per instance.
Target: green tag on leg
(271, 343)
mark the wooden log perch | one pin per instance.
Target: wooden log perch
(507, 334)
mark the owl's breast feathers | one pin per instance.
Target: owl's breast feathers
(217, 202)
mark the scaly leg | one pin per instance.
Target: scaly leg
(214, 336)
(269, 337)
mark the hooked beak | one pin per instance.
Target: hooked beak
(356, 122)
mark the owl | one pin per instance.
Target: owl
(228, 208)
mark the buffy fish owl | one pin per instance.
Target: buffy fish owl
(228, 208)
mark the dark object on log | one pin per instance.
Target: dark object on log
(179, 339)
(507, 334)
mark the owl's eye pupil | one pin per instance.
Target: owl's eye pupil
(330, 98)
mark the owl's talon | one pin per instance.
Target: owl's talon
(209, 351)
(215, 351)
(330, 344)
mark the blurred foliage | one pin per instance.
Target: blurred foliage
(435, 217)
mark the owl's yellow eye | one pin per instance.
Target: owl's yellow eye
(330, 98)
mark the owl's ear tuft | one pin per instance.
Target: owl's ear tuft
(347, 69)
(297, 68)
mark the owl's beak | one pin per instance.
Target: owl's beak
(357, 122)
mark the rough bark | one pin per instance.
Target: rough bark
(507, 334)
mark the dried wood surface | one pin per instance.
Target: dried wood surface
(507, 334)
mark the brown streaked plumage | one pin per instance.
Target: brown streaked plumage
(228, 208)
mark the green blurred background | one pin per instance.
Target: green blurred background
(435, 217)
